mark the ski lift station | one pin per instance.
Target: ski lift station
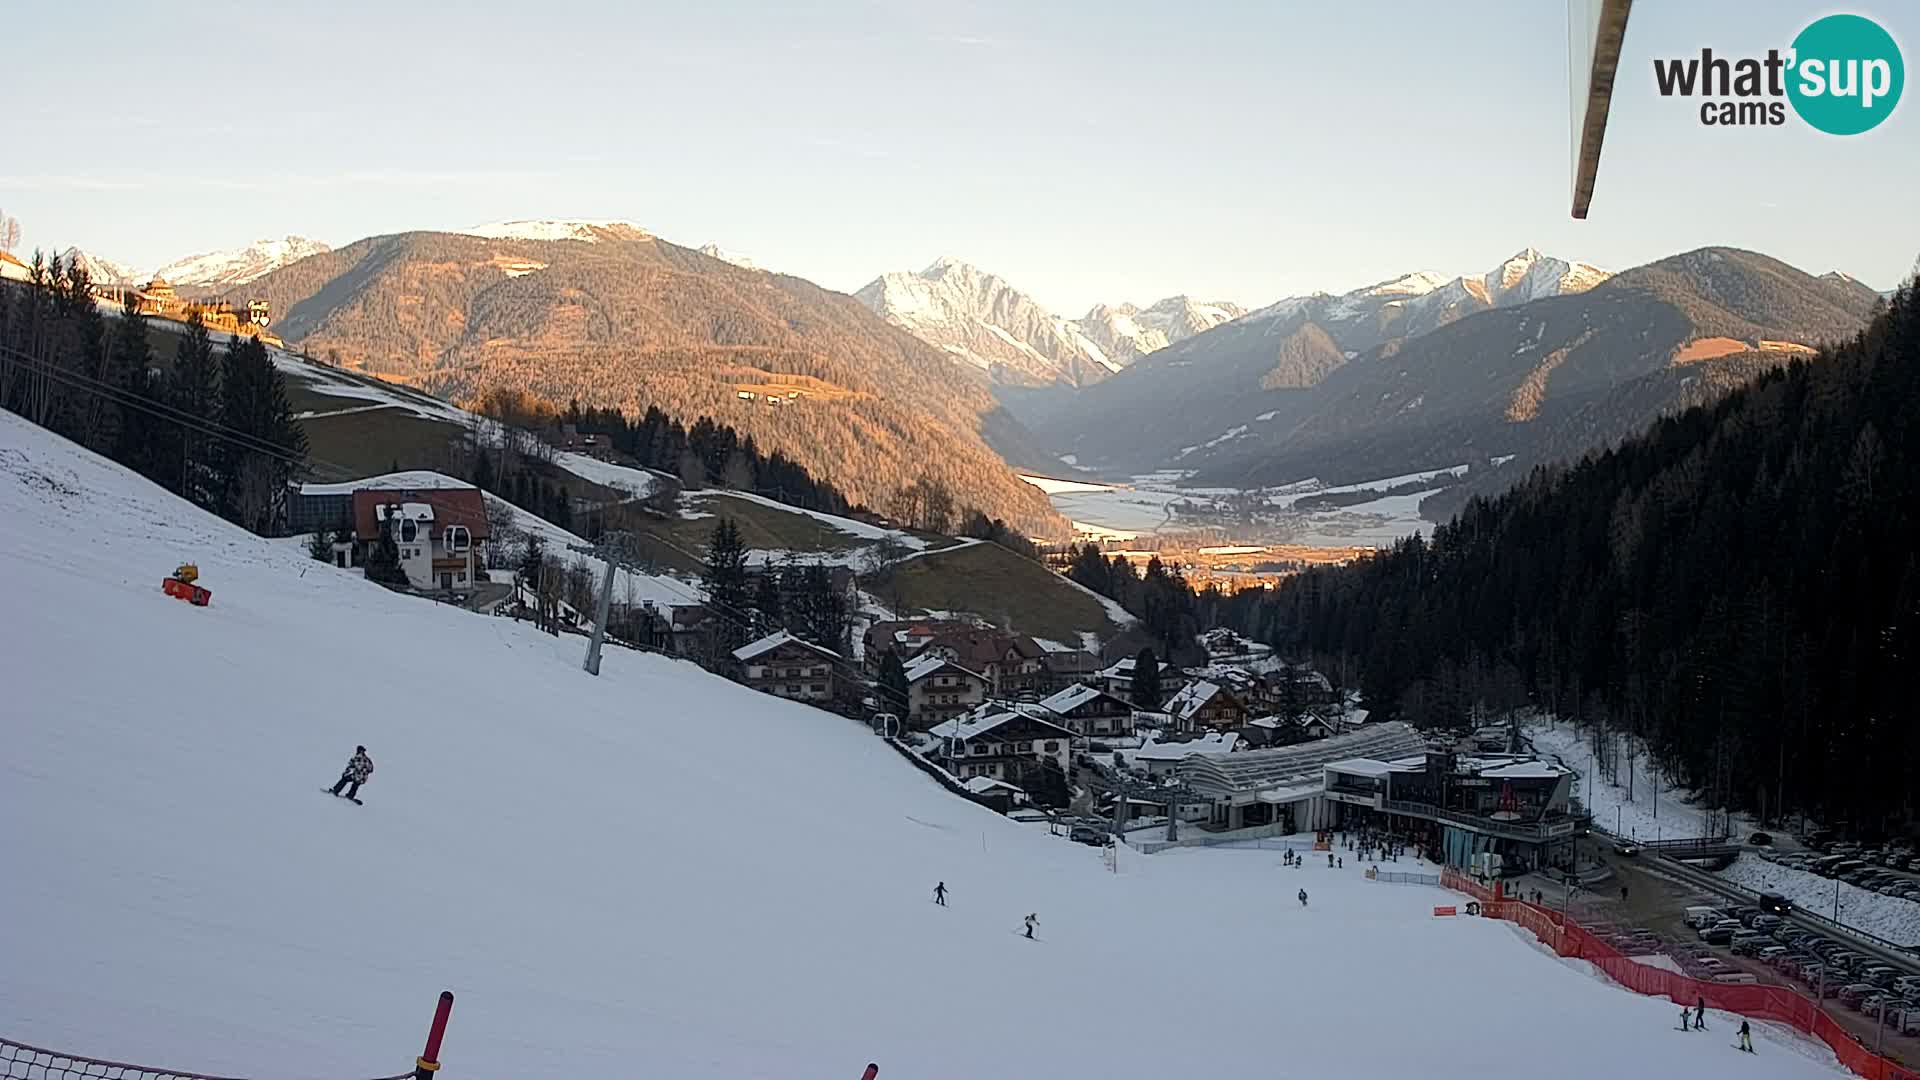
(1386, 777)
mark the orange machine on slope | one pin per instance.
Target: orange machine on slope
(180, 585)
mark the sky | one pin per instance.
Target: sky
(1087, 152)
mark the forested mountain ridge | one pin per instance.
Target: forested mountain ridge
(1740, 585)
(630, 321)
(1549, 379)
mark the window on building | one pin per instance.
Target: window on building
(818, 688)
(1053, 747)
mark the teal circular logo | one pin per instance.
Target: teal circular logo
(1847, 74)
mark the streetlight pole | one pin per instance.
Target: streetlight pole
(1836, 900)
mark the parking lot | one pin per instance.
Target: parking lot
(1653, 916)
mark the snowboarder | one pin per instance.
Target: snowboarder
(359, 767)
(1746, 1037)
(940, 893)
(1032, 921)
(1700, 1014)
(1303, 898)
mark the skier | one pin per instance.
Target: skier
(1303, 898)
(1032, 921)
(1343, 862)
(1746, 1037)
(359, 767)
(1684, 1025)
(940, 893)
(1700, 1014)
(1329, 860)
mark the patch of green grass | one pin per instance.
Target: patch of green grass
(347, 446)
(989, 581)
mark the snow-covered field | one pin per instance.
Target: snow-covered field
(1889, 917)
(1142, 507)
(651, 873)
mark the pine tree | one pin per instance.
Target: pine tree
(768, 611)
(128, 429)
(383, 562)
(725, 581)
(193, 389)
(1146, 680)
(272, 447)
(893, 684)
(826, 609)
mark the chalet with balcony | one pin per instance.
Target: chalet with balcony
(789, 667)
(1001, 744)
(440, 533)
(1090, 712)
(939, 690)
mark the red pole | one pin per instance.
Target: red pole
(429, 1060)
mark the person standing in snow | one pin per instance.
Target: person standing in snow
(1303, 898)
(359, 767)
(1343, 862)
(1700, 1014)
(1329, 860)
(1032, 921)
(1746, 1037)
(940, 893)
(1684, 1025)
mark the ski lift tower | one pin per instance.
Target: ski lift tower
(615, 548)
(1126, 788)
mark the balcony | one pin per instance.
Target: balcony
(1552, 827)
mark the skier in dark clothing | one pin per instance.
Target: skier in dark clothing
(940, 893)
(1329, 860)
(359, 767)
(1032, 921)
(1303, 898)
(1746, 1037)
(1700, 1014)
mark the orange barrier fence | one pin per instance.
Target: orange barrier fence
(1756, 1002)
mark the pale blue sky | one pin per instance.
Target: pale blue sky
(1103, 151)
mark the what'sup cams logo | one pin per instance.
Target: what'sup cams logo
(1843, 75)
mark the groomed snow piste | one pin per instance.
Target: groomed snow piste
(652, 873)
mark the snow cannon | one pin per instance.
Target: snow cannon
(180, 585)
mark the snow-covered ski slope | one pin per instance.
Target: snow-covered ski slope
(650, 874)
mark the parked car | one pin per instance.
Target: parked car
(1760, 838)
(1767, 924)
(1748, 944)
(1853, 994)
(1879, 975)
(1087, 834)
(1711, 965)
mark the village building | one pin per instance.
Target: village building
(570, 439)
(12, 269)
(1204, 705)
(905, 637)
(1117, 678)
(1090, 712)
(1286, 788)
(939, 690)
(1158, 759)
(1001, 744)
(1062, 668)
(789, 667)
(440, 534)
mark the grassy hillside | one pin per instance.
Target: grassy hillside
(989, 581)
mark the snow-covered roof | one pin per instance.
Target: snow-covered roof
(773, 641)
(1361, 767)
(926, 665)
(415, 480)
(1213, 745)
(1302, 765)
(1526, 770)
(975, 724)
(1072, 698)
(981, 785)
(1192, 698)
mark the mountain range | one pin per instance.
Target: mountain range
(610, 315)
(986, 323)
(1540, 359)
(208, 270)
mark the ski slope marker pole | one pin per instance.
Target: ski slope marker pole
(429, 1061)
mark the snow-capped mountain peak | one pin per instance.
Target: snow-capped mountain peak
(983, 321)
(103, 270)
(715, 251)
(238, 266)
(560, 229)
